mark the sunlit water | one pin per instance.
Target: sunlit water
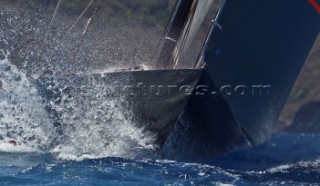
(285, 159)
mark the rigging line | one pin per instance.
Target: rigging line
(74, 24)
(80, 16)
(48, 30)
(156, 55)
(85, 31)
(90, 19)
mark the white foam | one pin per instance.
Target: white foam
(6, 146)
(115, 138)
(91, 130)
(22, 114)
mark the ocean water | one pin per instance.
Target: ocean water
(286, 159)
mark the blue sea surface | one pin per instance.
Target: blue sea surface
(286, 159)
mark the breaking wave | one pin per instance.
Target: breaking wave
(90, 127)
(23, 120)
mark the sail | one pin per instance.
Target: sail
(173, 32)
(186, 19)
(254, 54)
(195, 20)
